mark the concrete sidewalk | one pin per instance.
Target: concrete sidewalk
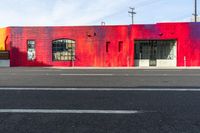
(134, 68)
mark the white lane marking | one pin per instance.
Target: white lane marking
(87, 74)
(103, 89)
(57, 111)
(165, 75)
(42, 70)
(136, 75)
(157, 70)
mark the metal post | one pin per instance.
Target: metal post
(185, 64)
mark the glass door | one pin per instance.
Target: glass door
(153, 53)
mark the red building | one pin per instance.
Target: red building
(162, 44)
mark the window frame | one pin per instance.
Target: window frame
(33, 48)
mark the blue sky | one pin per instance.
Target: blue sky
(92, 12)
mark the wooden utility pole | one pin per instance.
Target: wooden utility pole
(132, 12)
(195, 11)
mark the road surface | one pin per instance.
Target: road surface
(99, 101)
(98, 78)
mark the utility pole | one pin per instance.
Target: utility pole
(195, 11)
(132, 12)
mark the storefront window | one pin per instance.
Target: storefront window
(63, 50)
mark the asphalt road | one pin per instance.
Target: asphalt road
(89, 78)
(44, 100)
(155, 111)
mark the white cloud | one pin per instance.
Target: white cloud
(87, 12)
(83, 12)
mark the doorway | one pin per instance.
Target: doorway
(155, 53)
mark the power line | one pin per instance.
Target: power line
(147, 3)
(132, 12)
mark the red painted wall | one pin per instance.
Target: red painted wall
(186, 34)
(91, 48)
